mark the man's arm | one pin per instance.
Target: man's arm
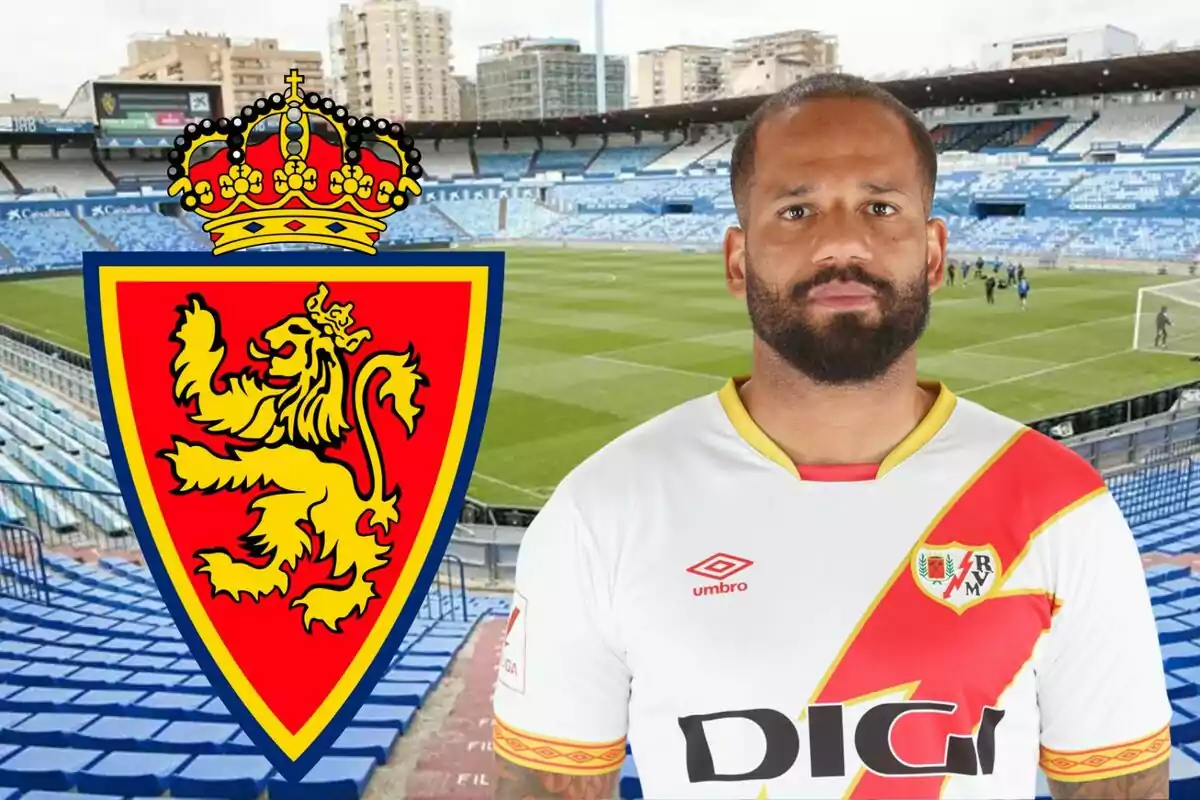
(1149, 784)
(561, 699)
(522, 783)
(1102, 694)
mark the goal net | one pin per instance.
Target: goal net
(1182, 303)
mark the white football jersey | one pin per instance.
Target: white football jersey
(966, 611)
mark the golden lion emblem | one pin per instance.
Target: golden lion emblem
(284, 422)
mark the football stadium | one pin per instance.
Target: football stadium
(1085, 177)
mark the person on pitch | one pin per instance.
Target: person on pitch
(830, 578)
(1162, 321)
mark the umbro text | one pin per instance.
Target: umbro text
(720, 588)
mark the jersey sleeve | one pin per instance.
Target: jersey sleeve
(562, 693)
(1101, 687)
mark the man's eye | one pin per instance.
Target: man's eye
(882, 209)
(794, 212)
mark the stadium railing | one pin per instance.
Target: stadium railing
(68, 516)
(1158, 487)
(483, 552)
(1107, 416)
(22, 570)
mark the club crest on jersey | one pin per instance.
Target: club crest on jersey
(294, 435)
(956, 575)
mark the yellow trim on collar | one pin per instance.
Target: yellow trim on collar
(754, 436)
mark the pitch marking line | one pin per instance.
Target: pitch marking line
(657, 368)
(1037, 334)
(513, 486)
(1046, 371)
(19, 323)
(745, 332)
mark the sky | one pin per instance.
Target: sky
(48, 56)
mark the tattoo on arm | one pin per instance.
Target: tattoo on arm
(1149, 784)
(522, 783)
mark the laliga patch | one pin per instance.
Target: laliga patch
(512, 654)
(294, 432)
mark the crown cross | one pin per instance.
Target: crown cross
(294, 79)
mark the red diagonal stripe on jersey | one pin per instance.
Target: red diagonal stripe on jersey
(512, 620)
(907, 638)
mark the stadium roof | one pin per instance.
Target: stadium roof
(1153, 71)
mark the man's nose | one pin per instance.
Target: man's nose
(842, 238)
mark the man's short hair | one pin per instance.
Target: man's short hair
(827, 86)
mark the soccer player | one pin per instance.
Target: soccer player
(815, 582)
(1023, 291)
(1161, 323)
(989, 289)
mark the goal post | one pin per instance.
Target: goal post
(1182, 304)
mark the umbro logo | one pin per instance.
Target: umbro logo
(719, 567)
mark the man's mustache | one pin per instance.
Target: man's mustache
(851, 273)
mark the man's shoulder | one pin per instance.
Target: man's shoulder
(1034, 461)
(659, 444)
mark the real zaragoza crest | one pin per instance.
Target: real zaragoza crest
(294, 432)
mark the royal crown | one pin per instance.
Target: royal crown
(294, 168)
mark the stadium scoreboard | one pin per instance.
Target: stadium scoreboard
(140, 108)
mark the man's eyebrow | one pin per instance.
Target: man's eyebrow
(881, 188)
(799, 190)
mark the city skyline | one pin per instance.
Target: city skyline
(89, 40)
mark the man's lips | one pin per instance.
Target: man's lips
(842, 294)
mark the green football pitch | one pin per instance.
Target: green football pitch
(595, 342)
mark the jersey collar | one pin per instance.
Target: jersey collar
(754, 436)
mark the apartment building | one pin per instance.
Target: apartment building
(391, 58)
(246, 69)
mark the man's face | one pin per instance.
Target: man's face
(837, 258)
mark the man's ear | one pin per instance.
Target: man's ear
(936, 236)
(735, 261)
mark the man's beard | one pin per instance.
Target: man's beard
(845, 349)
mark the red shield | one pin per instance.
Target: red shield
(937, 568)
(294, 436)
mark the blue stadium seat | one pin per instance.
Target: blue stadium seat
(332, 778)
(403, 694)
(193, 737)
(54, 768)
(48, 730)
(411, 675)
(131, 773)
(119, 733)
(228, 777)
(376, 715)
(375, 743)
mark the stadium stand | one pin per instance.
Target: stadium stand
(1185, 139)
(560, 154)
(506, 159)
(100, 696)
(1063, 134)
(44, 243)
(146, 232)
(72, 172)
(622, 153)
(687, 154)
(1133, 127)
(446, 159)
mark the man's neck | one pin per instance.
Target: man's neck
(818, 424)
